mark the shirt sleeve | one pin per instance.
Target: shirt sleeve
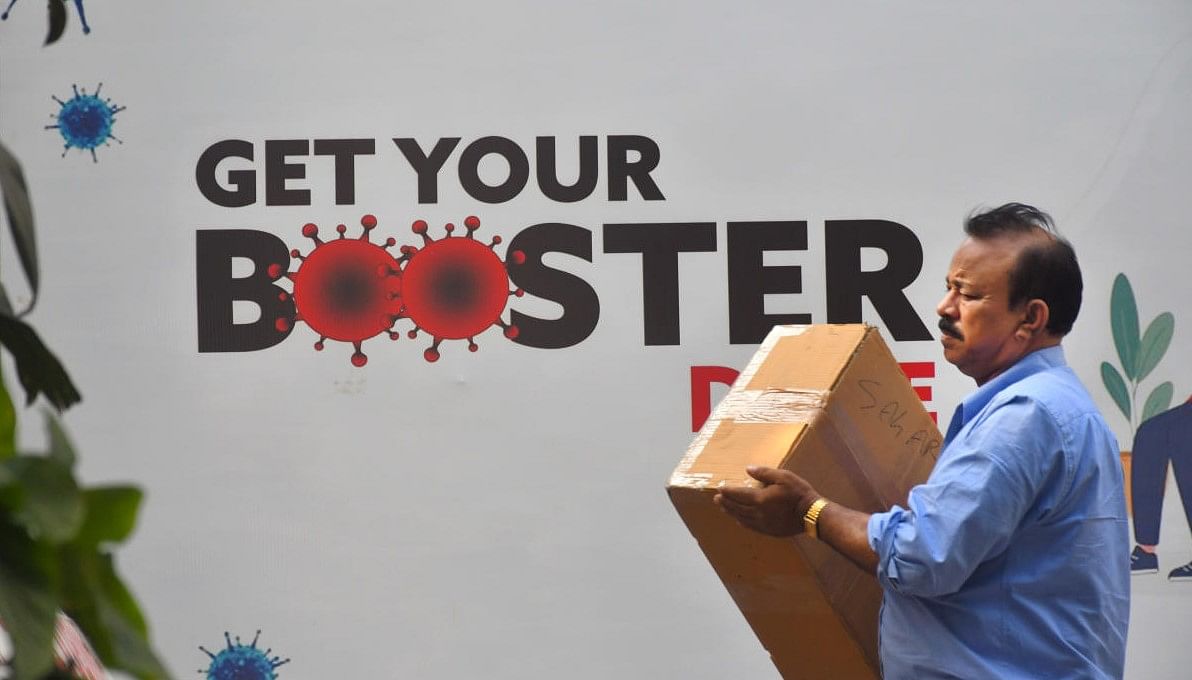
(969, 508)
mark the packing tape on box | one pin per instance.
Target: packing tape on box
(752, 406)
(772, 406)
(749, 406)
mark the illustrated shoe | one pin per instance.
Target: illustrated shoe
(1183, 573)
(1143, 562)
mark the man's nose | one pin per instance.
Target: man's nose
(947, 305)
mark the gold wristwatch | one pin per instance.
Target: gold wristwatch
(812, 516)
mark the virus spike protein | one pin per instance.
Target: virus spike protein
(455, 288)
(242, 662)
(345, 289)
(85, 121)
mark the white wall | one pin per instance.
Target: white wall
(502, 514)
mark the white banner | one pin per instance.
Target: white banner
(667, 180)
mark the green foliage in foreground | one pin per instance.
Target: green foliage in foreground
(56, 538)
(56, 541)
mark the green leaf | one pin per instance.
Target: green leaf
(1155, 343)
(28, 604)
(111, 515)
(8, 424)
(1158, 402)
(38, 370)
(1116, 387)
(57, 21)
(20, 216)
(5, 305)
(1123, 319)
(60, 447)
(109, 616)
(12, 495)
(117, 596)
(51, 506)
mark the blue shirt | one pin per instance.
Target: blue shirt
(1012, 560)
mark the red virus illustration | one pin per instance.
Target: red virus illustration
(455, 288)
(345, 289)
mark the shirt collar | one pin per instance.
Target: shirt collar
(1035, 362)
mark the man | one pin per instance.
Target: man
(1008, 562)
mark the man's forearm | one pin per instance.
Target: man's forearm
(847, 531)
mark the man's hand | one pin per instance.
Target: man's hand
(776, 509)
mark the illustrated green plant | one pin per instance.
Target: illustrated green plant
(56, 536)
(1139, 355)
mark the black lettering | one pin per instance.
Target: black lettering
(864, 385)
(217, 289)
(847, 283)
(244, 181)
(932, 448)
(893, 411)
(621, 169)
(660, 245)
(548, 173)
(581, 306)
(345, 152)
(749, 280)
(469, 169)
(917, 438)
(277, 171)
(427, 166)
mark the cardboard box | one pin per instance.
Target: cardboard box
(829, 403)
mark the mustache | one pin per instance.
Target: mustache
(948, 328)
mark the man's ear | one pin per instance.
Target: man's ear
(1035, 317)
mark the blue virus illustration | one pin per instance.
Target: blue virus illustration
(85, 121)
(78, 6)
(242, 662)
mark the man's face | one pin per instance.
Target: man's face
(978, 327)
